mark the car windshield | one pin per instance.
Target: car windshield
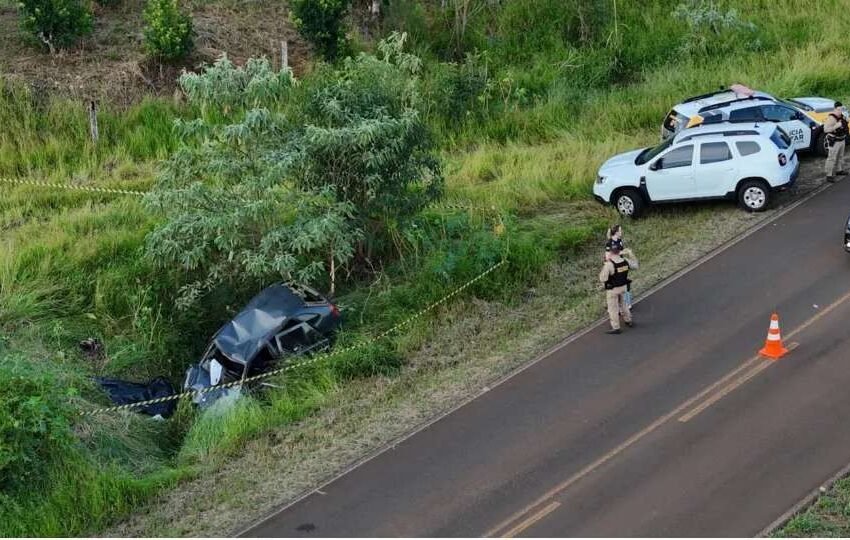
(650, 153)
(796, 104)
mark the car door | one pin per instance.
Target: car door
(671, 177)
(714, 170)
(789, 120)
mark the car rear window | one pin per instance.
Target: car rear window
(713, 152)
(675, 122)
(748, 147)
(780, 139)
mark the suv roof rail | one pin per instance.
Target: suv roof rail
(736, 100)
(703, 96)
(731, 133)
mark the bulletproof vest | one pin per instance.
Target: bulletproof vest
(620, 277)
(841, 131)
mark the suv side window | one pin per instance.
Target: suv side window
(714, 152)
(748, 147)
(778, 113)
(750, 114)
(679, 157)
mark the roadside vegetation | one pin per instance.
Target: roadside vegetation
(827, 517)
(505, 108)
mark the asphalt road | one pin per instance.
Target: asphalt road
(674, 428)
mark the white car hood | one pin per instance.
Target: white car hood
(620, 161)
(817, 103)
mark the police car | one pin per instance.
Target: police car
(801, 118)
(687, 113)
(746, 162)
(806, 133)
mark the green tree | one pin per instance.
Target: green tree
(365, 138)
(56, 23)
(293, 179)
(168, 33)
(321, 22)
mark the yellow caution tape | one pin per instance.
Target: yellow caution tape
(71, 187)
(296, 365)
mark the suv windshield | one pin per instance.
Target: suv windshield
(651, 152)
(780, 139)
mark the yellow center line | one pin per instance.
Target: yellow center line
(653, 426)
(531, 520)
(731, 386)
(613, 453)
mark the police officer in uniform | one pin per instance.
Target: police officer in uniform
(836, 130)
(615, 277)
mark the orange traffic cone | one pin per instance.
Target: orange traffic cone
(773, 347)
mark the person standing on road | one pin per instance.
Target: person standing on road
(615, 277)
(615, 236)
(836, 130)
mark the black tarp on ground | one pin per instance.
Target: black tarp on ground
(125, 392)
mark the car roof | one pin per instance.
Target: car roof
(243, 337)
(727, 129)
(692, 106)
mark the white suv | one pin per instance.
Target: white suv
(717, 161)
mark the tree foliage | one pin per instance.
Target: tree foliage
(292, 179)
(321, 22)
(168, 33)
(56, 23)
(365, 137)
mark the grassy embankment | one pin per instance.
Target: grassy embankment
(71, 265)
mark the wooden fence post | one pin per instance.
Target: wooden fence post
(93, 120)
(284, 54)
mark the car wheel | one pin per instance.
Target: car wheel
(629, 203)
(754, 196)
(820, 146)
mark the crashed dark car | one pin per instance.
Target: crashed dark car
(282, 322)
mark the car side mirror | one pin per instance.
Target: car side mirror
(655, 165)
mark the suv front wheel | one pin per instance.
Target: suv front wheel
(754, 196)
(629, 202)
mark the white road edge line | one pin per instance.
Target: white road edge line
(489, 387)
(805, 503)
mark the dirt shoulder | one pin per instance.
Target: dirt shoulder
(475, 344)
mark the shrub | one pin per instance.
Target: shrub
(56, 23)
(168, 34)
(321, 23)
(35, 428)
(712, 30)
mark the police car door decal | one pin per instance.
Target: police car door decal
(798, 133)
